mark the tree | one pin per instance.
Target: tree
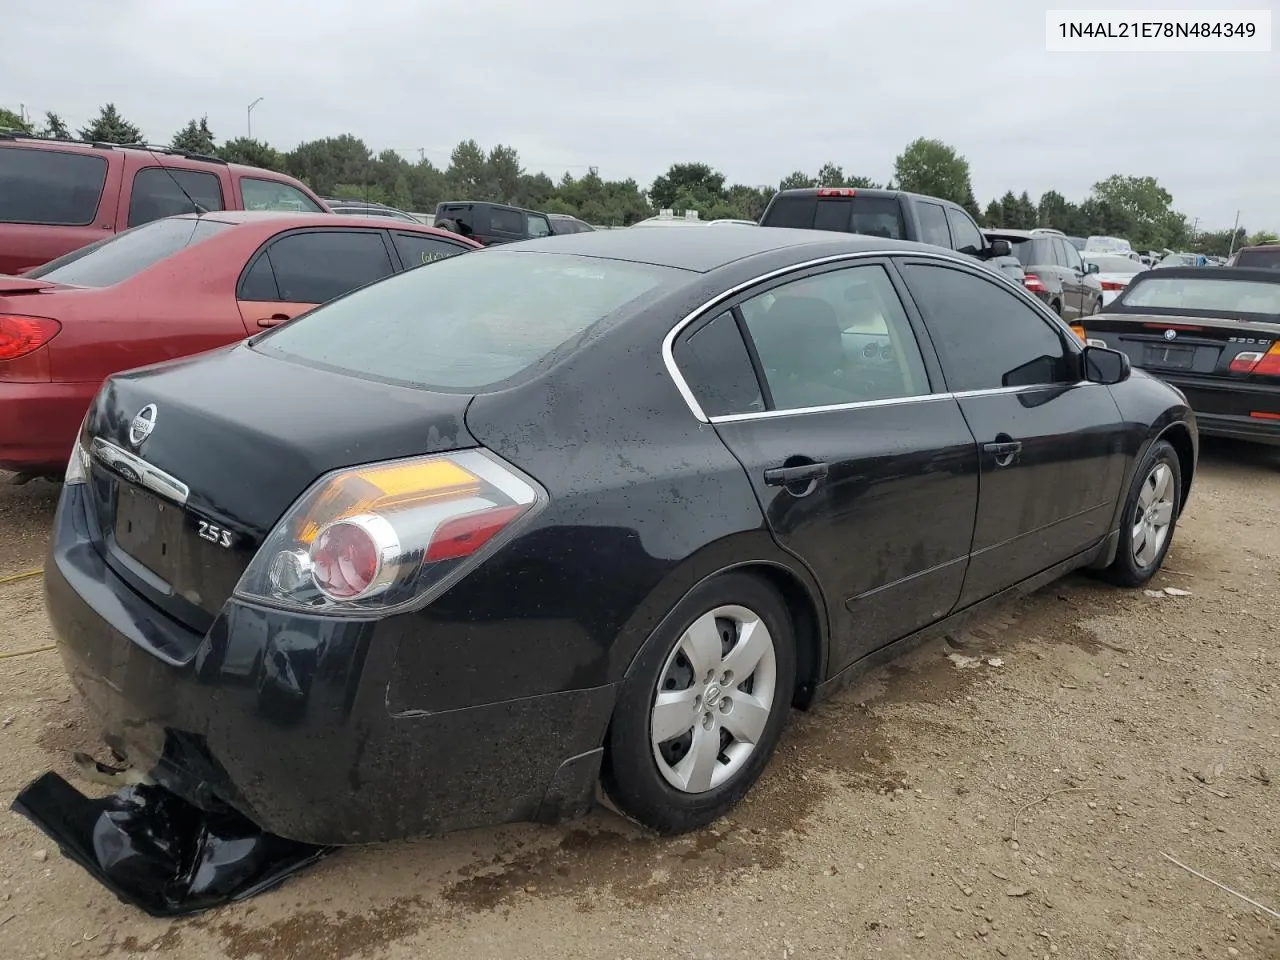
(1143, 206)
(831, 175)
(195, 137)
(688, 186)
(328, 162)
(12, 121)
(54, 128)
(110, 127)
(796, 180)
(253, 153)
(993, 216)
(1052, 210)
(933, 168)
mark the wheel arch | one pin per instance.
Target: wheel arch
(1178, 434)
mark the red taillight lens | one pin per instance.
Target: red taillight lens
(1112, 285)
(1258, 363)
(1034, 283)
(22, 335)
(837, 192)
(463, 536)
(346, 558)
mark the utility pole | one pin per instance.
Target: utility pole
(249, 118)
(422, 154)
(1194, 224)
(1234, 230)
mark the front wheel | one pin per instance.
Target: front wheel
(704, 706)
(1149, 518)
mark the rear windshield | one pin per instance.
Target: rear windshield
(463, 323)
(872, 216)
(1259, 258)
(50, 187)
(1205, 295)
(118, 258)
(1034, 251)
(1108, 264)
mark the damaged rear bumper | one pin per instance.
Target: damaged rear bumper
(284, 718)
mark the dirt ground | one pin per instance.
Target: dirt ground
(1020, 806)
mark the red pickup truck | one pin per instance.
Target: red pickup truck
(59, 195)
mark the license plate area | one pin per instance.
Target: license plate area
(148, 530)
(1168, 358)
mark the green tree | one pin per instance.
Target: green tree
(993, 216)
(331, 161)
(195, 137)
(468, 171)
(932, 167)
(54, 128)
(831, 175)
(109, 127)
(1053, 210)
(688, 186)
(796, 180)
(1142, 206)
(12, 121)
(253, 153)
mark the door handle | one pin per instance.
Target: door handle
(1005, 450)
(272, 320)
(793, 476)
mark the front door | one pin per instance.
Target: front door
(861, 470)
(303, 268)
(1051, 446)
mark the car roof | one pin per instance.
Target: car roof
(704, 250)
(1239, 274)
(315, 220)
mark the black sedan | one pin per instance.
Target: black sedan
(1212, 332)
(600, 508)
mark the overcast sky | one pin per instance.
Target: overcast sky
(757, 88)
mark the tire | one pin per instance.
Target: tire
(1160, 477)
(1097, 307)
(658, 782)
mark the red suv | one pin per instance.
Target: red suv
(59, 195)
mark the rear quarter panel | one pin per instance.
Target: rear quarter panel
(645, 501)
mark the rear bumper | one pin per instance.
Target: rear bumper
(38, 423)
(1223, 408)
(285, 717)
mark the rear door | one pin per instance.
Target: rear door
(53, 202)
(1078, 300)
(1051, 446)
(153, 192)
(862, 471)
(301, 269)
(933, 224)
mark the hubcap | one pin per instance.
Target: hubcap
(714, 698)
(1153, 515)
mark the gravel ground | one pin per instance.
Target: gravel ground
(1017, 806)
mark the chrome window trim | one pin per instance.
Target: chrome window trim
(673, 370)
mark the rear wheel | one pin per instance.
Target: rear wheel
(703, 709)
(1149, 518)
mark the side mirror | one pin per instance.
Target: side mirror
(999, 248)
(1102, 365)
(1092, 268)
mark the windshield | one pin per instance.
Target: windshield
(466, 322)
(1206, 295)
(118, 258)
(1113, 264)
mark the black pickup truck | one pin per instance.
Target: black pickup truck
(893, 214)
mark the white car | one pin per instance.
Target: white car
(1115, 270)
(1108, 245)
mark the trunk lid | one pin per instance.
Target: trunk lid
(194, 461)
(1181, 345)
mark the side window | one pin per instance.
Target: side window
(1072, 256)
(47, 186)
(933, 225)
(837, 337)
(504, 220)
(538, 225)
(159, 192)
(715, 364)
(987, 337)
(322, 264)
(417, 248)
(964, 232)
(259, 281)
(274, 195)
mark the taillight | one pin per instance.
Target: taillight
(1078, 330)
(1258, 363)
(389, 536)
(1112, 285)
(20, 336)
(1034, 284)
(837, 192)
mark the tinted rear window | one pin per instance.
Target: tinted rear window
(1205, 295)
(49, 187)
(871, 216)
(120, 257)
(1033, 252)
(1259, 258)
(465, 322)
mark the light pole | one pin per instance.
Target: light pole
(249, 118)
